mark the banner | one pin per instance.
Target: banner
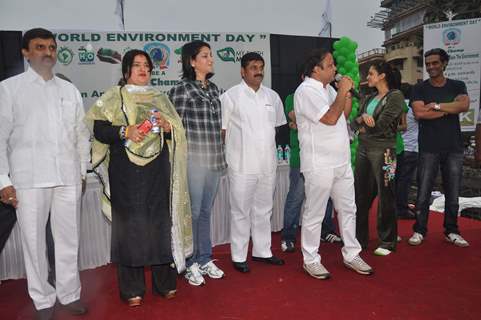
(460, 39)
(92, 60)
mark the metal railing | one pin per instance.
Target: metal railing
(371, 52)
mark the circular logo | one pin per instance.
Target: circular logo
(64, 55)
(159, 53)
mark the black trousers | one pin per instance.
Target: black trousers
(132, 280)
(407, 163)
(8, 218)
(374, 176)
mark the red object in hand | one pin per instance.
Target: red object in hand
(145, 126)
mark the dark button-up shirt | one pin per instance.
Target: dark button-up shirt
(200, 111)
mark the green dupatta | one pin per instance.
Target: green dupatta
(130, 105)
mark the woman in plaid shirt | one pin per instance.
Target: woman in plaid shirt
(196, 99)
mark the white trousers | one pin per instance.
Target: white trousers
(251, 201)
(34, 205)
(320, 184)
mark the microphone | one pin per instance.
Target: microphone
(353, 91)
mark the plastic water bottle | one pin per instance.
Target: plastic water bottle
(287, 154)
(153, 119)
(280, 154)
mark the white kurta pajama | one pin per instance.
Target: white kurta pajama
(325, 163)
(44, 151)
(250, 119)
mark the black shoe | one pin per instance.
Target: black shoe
(272, 260)
(45, 314)
(331, 237)
(75, 308)
(241, 266)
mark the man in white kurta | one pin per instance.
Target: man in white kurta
(44, 151)
(325, 162)
(250, 114)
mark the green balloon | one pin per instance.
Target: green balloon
(345, 39)
(340, 60)
(337, 45)
(341, 70)
(335, 54)
(353, 45)
(349, 65)
(345, 52)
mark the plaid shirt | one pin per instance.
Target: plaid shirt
(200, 111)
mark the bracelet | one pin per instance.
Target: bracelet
(123, 132)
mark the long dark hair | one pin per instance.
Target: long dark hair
(392, 75)
(190, 50)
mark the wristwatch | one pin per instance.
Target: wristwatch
(437, 107)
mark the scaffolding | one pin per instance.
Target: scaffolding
(393, 11)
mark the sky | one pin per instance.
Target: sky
(350, 18)
(300, 17)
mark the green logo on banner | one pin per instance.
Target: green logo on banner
(86, 55)
(64, 56)
(226, 54)
(178, 51)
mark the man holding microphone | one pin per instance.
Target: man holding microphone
(325, 161)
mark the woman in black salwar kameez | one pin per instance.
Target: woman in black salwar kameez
(141, 181)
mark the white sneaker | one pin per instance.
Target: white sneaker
(358, 265)
(399, 239)
(211, 270)
(457, 240)
(416, 239)
(193, 275)
(382, 251)
(317, 270)
(287, 246)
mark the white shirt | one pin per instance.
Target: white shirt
(410, 136)
(43, 139)
(322, 146)
(250, 119)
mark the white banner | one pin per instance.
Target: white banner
(92, 60)
(460, 39)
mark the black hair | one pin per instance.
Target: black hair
(406, 89)
(443, 55)
(392, 75)
(314, 59)
(128, 61)
(250, 56)
(36, 33)
(190, 51)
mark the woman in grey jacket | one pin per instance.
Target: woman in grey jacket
(376, 156)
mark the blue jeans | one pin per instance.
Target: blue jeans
(451, 165)
(203, 184)
(293, 206)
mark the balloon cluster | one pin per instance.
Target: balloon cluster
(346, 62)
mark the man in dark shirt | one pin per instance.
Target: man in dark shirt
(437, 103)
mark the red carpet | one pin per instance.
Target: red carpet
(434, 281)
